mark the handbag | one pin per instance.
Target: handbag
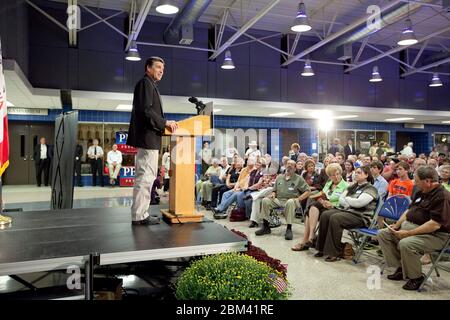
(347, 251)
(274, 219)
(238, 214)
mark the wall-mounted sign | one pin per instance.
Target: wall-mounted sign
(27, 111)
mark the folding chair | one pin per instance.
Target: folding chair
(445, 251)
(392, 209)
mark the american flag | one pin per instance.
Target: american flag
(278, 282)
(4, 143)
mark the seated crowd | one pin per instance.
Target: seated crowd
(340, 193)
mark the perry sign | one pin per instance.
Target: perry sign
(121, 140)
(127, 175)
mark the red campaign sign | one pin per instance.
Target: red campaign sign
(126, 182)
(126, 149)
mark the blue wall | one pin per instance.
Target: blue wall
(14, 31)
(99, 64)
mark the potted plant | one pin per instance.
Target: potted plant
(231, 276)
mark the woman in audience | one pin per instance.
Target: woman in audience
(373, 149)
(207, 186)
(326, 161)
(315, 181)
(355, 210)
(299, 167)
(213, 170)
(349, 171)
(444, 173)
(326, 199)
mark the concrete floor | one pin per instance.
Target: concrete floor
(311, 278)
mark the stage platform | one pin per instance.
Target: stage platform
(54, 240)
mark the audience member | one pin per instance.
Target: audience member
(423, 228)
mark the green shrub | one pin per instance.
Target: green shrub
(231, 276)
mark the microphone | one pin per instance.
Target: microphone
(199, 105)
(193, 100)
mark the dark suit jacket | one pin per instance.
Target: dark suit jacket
(347, 151)
(37, 153)
(79, 152)
(147, 122)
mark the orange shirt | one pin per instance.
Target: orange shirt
(401, 187)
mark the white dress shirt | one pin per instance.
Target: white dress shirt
(43, 151)
(114, 156)
(92, 152)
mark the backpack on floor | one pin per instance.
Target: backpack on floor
(238, 214)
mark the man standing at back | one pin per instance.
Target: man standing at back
(42, 160)
(147, 126)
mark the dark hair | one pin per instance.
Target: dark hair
(427, 172)
(404, 165)
(366, 170)
(151, 60)
(374, 142)
(351, 163)
(377, 164)
(307, 163)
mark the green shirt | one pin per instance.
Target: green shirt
(333, 196)
(446, 186)
(292, 188)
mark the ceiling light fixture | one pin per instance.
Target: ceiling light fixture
(217, 110)
(301, 23)
(435, 82)
(167, 7)
(376, 77)
(307, 69)
(446, 121)
(398, 119)
(350, 116)
(228, 61)
(408, 37)
(281, 114)
(133, 53)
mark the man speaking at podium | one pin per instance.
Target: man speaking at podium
(147, 125)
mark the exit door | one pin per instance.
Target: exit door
(23, 137)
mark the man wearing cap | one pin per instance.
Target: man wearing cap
(147, 125)
(252, 151)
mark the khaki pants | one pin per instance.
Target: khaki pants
(114, 171)
(289, 205)
(206, 190)
(198, 188)
(146, 173)
(408, 251)
(258, 196)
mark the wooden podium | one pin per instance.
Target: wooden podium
(182, 169)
